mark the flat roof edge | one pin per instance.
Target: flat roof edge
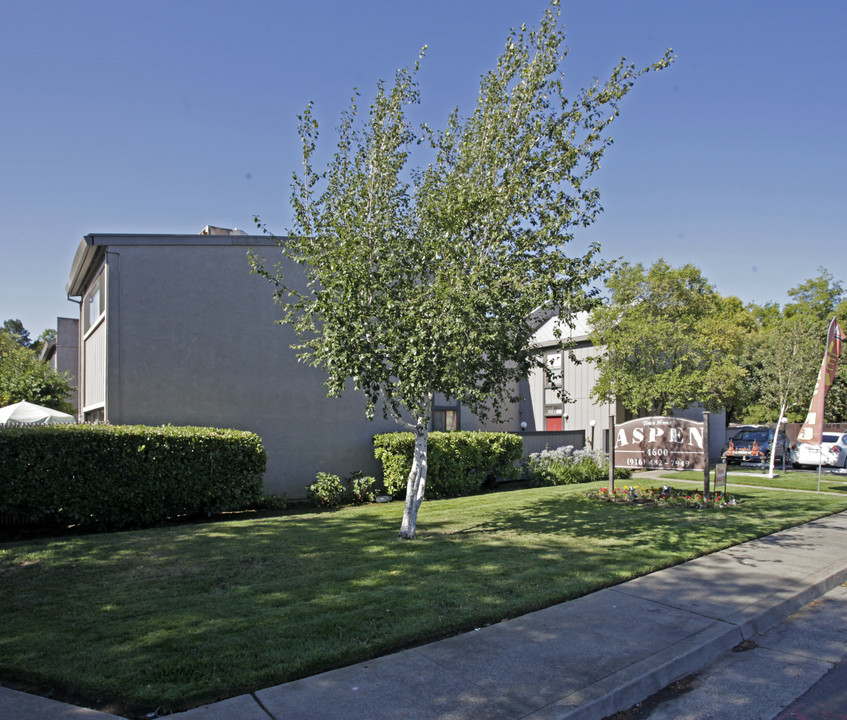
(159, 239)
(83, 259)
(93, 246)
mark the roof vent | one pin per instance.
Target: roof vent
(212, 230)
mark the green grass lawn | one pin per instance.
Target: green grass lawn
(178, 616)
(791, 479)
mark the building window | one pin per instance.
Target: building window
(554, 406)
(445, 419)
(97, 415)
(94, 304)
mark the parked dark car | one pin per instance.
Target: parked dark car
(754, 445)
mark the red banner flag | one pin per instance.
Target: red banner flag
(813, 427)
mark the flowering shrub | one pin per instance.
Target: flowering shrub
(566, 465)
(663, 497)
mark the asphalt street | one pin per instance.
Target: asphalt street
(795, 671)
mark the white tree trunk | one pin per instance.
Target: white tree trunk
(417, 483)
(785, 394)
(775, 439)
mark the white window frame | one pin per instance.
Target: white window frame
(89, 328)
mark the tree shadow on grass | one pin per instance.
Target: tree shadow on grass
(296, 595)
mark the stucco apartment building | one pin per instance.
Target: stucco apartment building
(174, 329)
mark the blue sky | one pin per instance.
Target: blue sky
(164, 116)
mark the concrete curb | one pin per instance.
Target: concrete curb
(633, 684)
(772, 610)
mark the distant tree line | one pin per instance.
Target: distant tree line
(666, 339)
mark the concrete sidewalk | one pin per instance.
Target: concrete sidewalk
(583, 659)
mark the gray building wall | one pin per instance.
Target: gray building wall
(191, 340)
(63, 353)
(577, 381)
(509, 421)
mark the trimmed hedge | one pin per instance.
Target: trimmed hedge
(109, 477)
(460, 463)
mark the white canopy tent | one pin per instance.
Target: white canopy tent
(24, 413)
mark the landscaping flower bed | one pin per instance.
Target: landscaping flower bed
(664, 496)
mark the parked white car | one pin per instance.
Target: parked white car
(832, 452)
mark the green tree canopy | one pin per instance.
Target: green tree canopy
(783, 353)
(787, 356)
(15, 329)
(817, 298)
(815, 302)
(666, 340)
(423, 281)
(24, 377)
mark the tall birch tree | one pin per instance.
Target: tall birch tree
(423, 279)
(788, 362)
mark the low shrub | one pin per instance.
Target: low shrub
(459, 463)
(566, 465)
(362, 489)
(110, 477)
(331, 491)
(327, 490)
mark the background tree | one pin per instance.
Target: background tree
(755, 319)
(15, 329)
(817, 299)
(24, 377)
(38, 344)
(815, 302)
(424, 281)
(783, 356)
(781, 360)
(666, 340)
(788, 359)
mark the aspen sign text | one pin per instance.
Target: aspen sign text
(665, 443)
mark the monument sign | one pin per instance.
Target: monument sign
(660, 443)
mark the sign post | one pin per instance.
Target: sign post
(611, 455)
